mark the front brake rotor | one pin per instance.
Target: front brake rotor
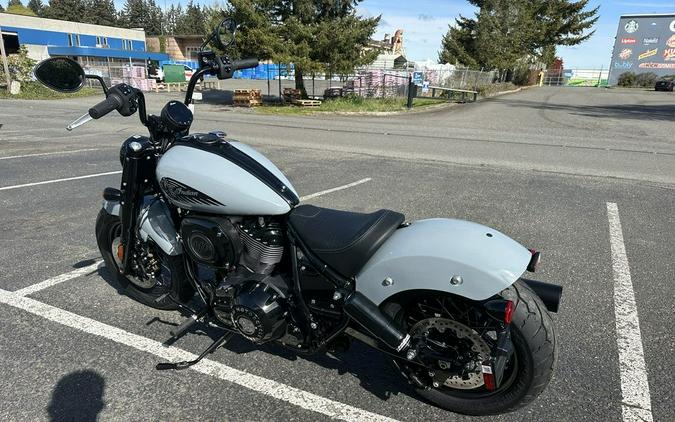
(470, 380)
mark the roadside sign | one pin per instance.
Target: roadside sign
(417, 78)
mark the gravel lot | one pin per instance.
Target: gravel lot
(540, 165)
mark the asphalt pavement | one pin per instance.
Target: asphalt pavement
(541, 165)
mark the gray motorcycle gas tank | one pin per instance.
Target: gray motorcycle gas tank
(196, 179)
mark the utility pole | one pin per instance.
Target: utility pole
(4, 62)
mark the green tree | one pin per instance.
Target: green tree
(17, 8)
(133, 14)
(2, 9)
(506, 34)
(37, 7)
(314, 35)
(100, 12)
(154, 18)
(67, 10)
(192, 22)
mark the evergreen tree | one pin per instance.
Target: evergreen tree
(192, 22)
(154, 18)
(37, 7)
(315, 36)
(67, 10)
(504, 34)
(100, 12)
(2, 9)
(171, 18)
(133, 14)
(17, 8)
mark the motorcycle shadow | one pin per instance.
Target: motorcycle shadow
(376, 373)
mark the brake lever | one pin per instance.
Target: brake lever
(79, 121)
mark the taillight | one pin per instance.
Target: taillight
(508, 312)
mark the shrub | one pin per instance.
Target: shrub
(626, 79)
(20, 66)
(646, 80)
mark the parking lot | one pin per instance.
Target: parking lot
(585, 175)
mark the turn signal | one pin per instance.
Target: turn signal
(500, 309)
(120, 252)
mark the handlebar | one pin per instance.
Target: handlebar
(244, 64)
(111, 103)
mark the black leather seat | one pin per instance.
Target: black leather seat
(344, 240)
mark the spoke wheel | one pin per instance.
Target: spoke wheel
(456, 327)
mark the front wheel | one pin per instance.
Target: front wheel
(457, 321)
(160, 277)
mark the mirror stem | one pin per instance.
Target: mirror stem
(101, 81)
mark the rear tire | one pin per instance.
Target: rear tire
(535, 353)
(175, 282)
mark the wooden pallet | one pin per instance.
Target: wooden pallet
(307, 103)
(247, 98)
(247, 103)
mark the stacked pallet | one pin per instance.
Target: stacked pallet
(292, 95)
(247, 97)
(333, 93)
(307, 103)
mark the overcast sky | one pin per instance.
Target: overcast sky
(425, 22)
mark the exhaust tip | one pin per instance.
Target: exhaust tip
(550, 294)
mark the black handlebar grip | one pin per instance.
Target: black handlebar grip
(244, 64)
(111, 103)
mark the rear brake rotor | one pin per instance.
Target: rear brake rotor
(470, 380)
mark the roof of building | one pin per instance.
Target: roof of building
(105, 52)
(648, 15)
(43, 24)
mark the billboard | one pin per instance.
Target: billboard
(644, 43)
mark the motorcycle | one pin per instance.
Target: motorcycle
(209, 226)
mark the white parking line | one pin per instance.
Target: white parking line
(88, 176)
(277, 390)
(636, 404)
(58, 279)
(40, 154)
(327, 191)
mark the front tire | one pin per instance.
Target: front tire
(172, 279)
(532, 366)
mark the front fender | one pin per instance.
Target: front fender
(428, 253)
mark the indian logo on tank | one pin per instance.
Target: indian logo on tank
(185, 194)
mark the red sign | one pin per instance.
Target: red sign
(657, 65)
(628, 41)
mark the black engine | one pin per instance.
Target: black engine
(249, 297)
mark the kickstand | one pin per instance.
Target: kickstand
(186, 364)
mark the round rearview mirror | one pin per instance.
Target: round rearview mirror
(226, 31)
(60, 74)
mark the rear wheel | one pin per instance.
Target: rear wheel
(449, 320)
(158, 272)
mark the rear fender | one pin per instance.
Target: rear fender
(447, 255)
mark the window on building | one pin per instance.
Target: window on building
(131, 45)
(70, 40)
(77, 39)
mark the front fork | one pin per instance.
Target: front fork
(138, 165)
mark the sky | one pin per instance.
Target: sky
(424, 23)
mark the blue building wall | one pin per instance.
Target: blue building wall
(43, 37)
